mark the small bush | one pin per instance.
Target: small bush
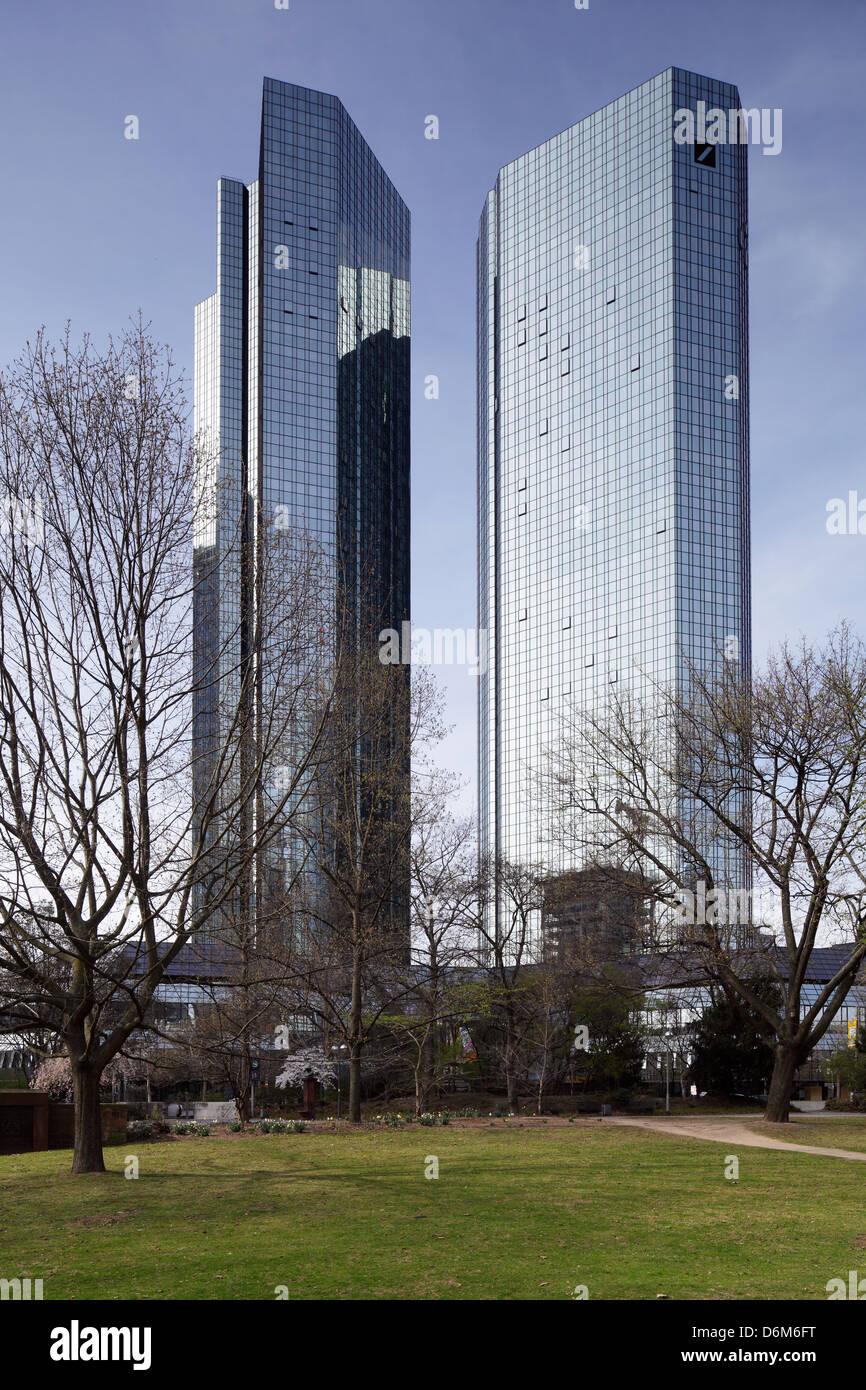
(235, 1126)
(13, 1080)
(856, 1105)
(619, 1098)
(191, 1127)
(140, 1129)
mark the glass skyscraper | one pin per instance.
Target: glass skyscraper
(302, 385)
(613, 464)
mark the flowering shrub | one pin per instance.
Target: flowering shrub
(301, 1065)
(279, 1126)
(54, 1075)
(190, 1127)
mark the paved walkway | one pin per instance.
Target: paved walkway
(731, 1132)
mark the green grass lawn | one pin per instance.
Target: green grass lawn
(514, 1214)
(838, 1131)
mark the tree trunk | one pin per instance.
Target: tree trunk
(355, 1044)
(242, 1104)
(87, 1153)
(419, 1107)
(426, 1073)
(781, 1085)
(355, 1083)
(542, 1074)
(541, 1077)
(510, 1073)
(239, 1082)
(511, 1084)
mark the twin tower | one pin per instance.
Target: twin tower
(613, 455)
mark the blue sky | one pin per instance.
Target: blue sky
(96, 226)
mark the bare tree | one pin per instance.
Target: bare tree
(551, 1033)
(444, 923)
(354, 892)
(508, 1000)
(728, 791)
(236, 1017)
(130, 801)
(247, 975)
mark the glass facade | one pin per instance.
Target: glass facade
(613, 462)
(302, 384)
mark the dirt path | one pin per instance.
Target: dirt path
(732, 1132)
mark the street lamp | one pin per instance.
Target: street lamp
(669, 1044)
(338, 1048)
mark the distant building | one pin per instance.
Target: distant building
(603, 912)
